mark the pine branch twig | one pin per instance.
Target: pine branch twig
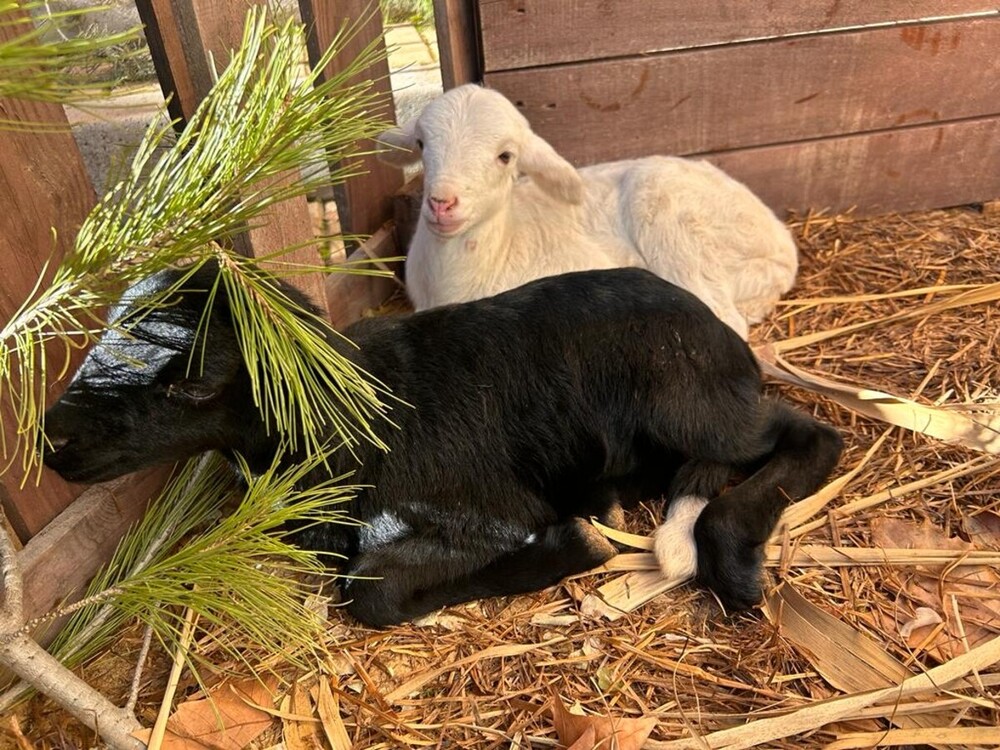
(29, 661)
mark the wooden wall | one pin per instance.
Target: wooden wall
(815, 104)
(45, 195)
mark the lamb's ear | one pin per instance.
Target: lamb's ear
(402, 142)
(554, 175)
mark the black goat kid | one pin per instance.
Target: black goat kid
(566, 398)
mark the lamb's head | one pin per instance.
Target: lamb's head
(475, 145)
(162, 384)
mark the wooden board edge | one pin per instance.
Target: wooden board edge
(350, 296)
(459, 47)
(905, 169)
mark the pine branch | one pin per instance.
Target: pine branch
(259, 121)
(29, 661)
(36, 67)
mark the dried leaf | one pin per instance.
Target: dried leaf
(845, 657)
(607, 681)
(983, 528)
(608, 732)
(195, 724)
(586, 741)
(318, 605)
(922, 617)
(934, 586)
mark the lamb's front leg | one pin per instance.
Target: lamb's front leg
(415, 575)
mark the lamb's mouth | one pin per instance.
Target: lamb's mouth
(445, 228)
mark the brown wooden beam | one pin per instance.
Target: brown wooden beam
(459, 46)
(45, 195)
(364, 202)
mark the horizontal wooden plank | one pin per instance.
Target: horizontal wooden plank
(523, 33)
(59, 561)
(907, 169)
(763, 93)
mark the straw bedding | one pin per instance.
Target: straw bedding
(486, 675)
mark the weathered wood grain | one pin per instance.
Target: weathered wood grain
(351, 296)
(457, 28)
(907, 169)
(523, 33)
(715, 99)
(45, 195)
(364, 202)
(58, 563)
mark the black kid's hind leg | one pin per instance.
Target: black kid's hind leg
(732, 530)
(405, 591)
(700, 478)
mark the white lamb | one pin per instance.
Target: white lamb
(503, 208)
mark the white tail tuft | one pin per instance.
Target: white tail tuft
(673, 541)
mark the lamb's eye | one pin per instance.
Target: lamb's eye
(505, 157)
(420, 144)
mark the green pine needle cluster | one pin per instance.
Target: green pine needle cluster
(39, 64)
(235, 569)
(257, 139)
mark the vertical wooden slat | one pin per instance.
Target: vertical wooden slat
(364, 202)
(184, 36)
(44, 188)
(459, 47)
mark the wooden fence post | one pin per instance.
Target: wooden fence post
(457, 27)
(44, 188)
(364, 202)
(182, 35)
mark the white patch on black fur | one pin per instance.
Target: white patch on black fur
(383, 529)
(673, 542)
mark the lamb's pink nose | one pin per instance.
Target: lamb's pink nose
(441, 207)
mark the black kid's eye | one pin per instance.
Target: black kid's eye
(505, 157)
